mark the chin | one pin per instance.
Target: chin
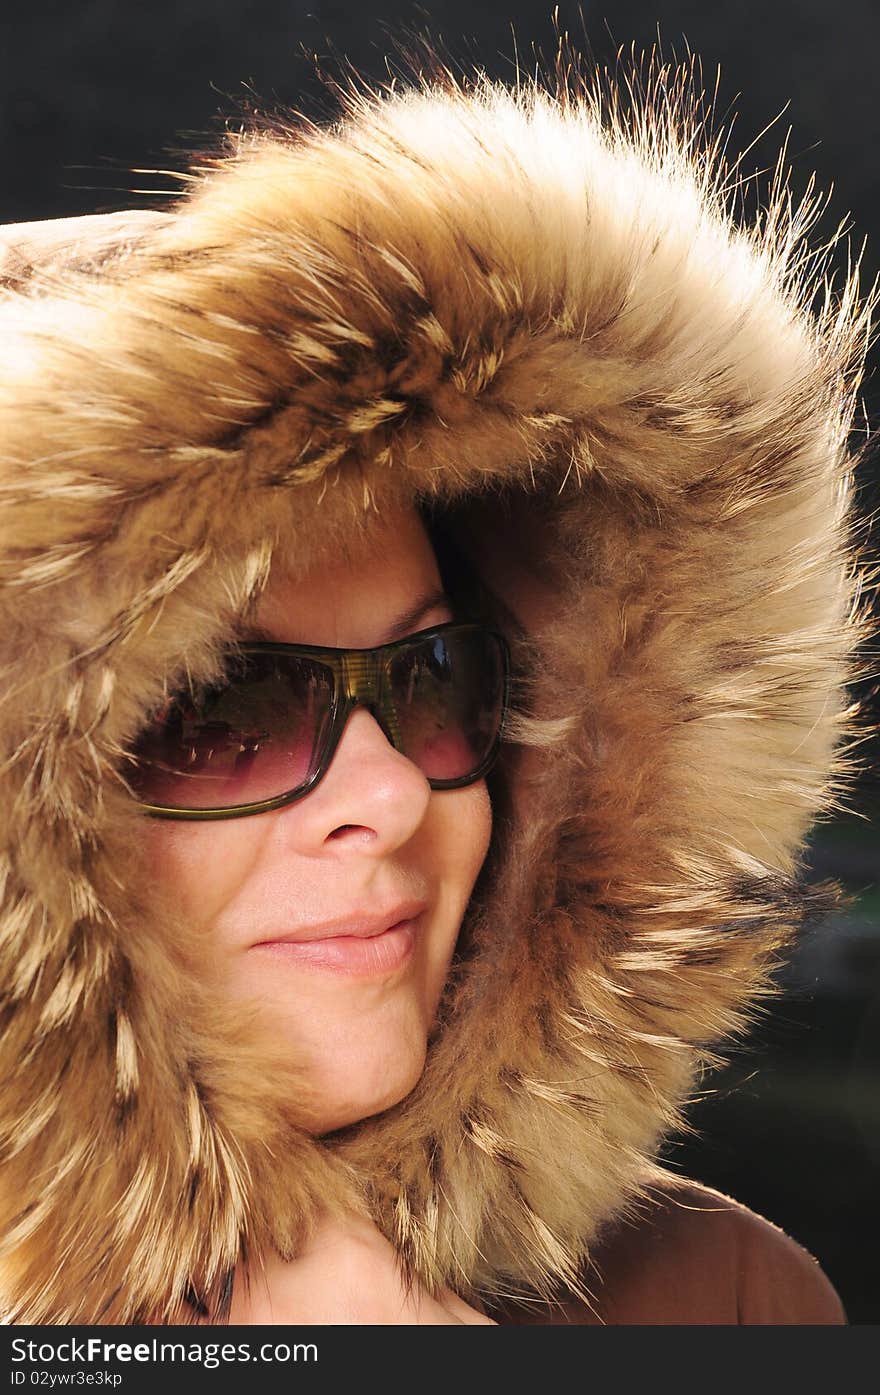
(358, 1096)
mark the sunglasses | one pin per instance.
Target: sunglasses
(266, 734)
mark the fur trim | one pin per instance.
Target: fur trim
(538, 313)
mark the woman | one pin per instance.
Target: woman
(346, 987)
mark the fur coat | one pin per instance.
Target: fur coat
(537, 313)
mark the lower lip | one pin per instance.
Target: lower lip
(350, 954)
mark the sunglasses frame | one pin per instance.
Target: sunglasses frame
(359, 680)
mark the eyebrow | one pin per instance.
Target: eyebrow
(408, 620)
(404, 624)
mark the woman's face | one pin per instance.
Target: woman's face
(371, 836)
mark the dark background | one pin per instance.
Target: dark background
(92, 91)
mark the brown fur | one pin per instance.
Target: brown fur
(540, 313)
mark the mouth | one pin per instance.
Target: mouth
(361, 946)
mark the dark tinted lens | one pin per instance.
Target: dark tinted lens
(447, 693)
(255, 737)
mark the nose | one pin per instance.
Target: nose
(370, 794)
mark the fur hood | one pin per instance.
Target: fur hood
(537, 313)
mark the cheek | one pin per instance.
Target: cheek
(465, 835)
(198, 868)
(458, 838)
(478, 826)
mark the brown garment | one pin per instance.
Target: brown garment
(696, 1257)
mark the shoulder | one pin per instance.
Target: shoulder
(695, 1256)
